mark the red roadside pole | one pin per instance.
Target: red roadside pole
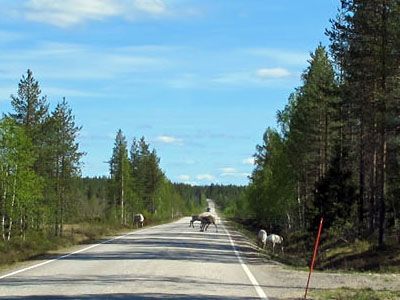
(314, 255)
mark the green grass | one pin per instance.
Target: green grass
(335, 254)
(353, 294)
(38, 244)
(360, 255)
(355, 248)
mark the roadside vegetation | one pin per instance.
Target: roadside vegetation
(335, 150)
(44, 202)
(37, 244)
(352, 294)
(334, 254)
(333, 154)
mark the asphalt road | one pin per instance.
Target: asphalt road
(171, 261)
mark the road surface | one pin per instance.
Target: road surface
(171, 261)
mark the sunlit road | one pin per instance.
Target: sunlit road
(169, 261)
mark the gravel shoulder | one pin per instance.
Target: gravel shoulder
(281, 282)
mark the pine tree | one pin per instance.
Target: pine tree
(29, 106)
(334, 194)
(120, 172)
(368, 32)
(311, 125)
(147, 174)
(65, 160)
(31, 112)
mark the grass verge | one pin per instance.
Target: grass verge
(334, 254)
(37, 244)
(353, 294)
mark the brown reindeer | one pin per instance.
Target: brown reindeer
(207, 219)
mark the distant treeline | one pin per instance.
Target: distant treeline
(40, 167)
(138, 184)
(94, 194)
(337, 147)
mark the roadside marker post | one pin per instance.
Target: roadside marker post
(314, 255)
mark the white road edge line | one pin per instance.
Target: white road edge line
(251, 277)
(72, 253)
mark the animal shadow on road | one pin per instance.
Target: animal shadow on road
(209, 248)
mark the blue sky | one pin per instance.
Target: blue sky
(201, 80)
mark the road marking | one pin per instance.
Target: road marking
(251, 277)
(72, 253)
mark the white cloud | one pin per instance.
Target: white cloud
(86, 135)
(232, 172)
(81, 62)
(229, 170)
(269, 73)
(260, 77)
(233, 78)
(236, 174)
(154, 7)
(166, 139)
(184, 177)
(67, 13)
(192, 183)
(208, 177)
(248, 161)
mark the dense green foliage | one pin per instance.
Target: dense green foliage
(230, 198)
(138, 185)
(41, 191)
(336, 151)
(40, 159)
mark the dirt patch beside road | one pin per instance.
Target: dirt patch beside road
(281, 282)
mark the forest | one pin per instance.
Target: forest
(335, 150)
(41, 188)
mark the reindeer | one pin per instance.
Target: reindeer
(207, 219)
(275, 239)
(194, 219)
(138, 219)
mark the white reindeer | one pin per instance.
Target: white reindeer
(262, 238)
(275, 239)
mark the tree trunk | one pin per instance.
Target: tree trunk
(361, 183)
(62, 213)
(299, 205)
(3, 216)
(122, 195)
(382, 204)
(58, 203)
(373, 192)
(12, 204)
(382, 128)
